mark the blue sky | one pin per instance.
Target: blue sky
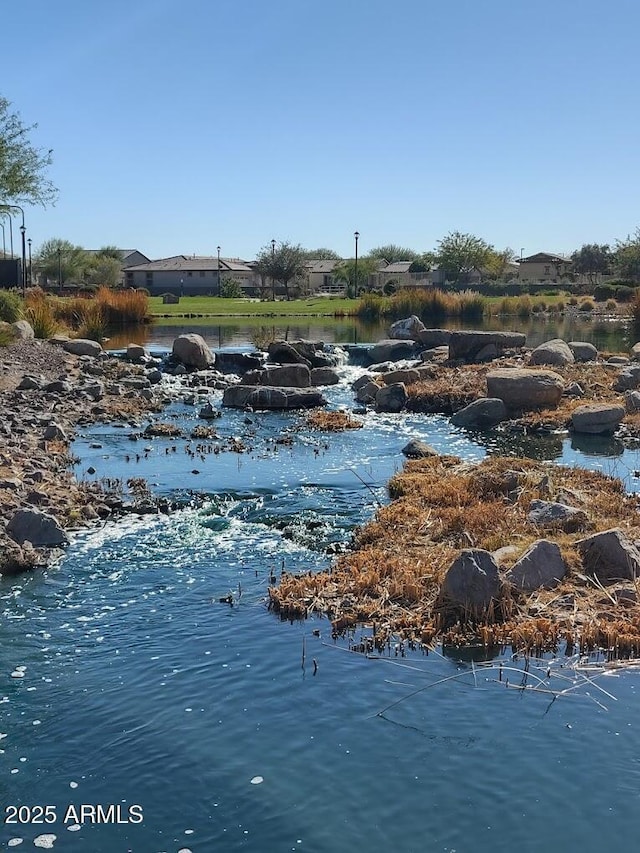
(180, 126)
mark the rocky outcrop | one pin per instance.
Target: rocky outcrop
(391, 398)
(82, 346)
(482, 346)
(417, 449)
(552, 514)
(597, 418)
(486, 412)
(391, 351)
(38, 528)
(472, 582)
(525, 388)
(609, 556)
(311, 353)
(583, 351)
(555, 352)
(287, 376)
(268, 397)
(408, 329)
(432, 338)
(192, 351)
(540, 567)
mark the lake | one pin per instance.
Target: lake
(139, 687)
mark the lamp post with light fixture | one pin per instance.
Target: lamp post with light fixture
(356, 234)
(30, 266)
(273, 281)
(219, 271)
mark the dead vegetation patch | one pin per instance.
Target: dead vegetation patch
(332, 421)
(440, 505)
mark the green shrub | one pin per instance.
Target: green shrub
(586, 305)
(602, 292)
(230, 289)
(39, 312)
(624, 293)
(10, 306)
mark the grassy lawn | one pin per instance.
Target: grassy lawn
(214, 306)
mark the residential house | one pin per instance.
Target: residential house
(191, 275)
(320, 277)
(544, 266)
(398, 274)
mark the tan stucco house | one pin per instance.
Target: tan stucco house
(544, 266)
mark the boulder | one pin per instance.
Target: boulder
(597, 418)
(269, 397)
(434, 338)
(628, 379)
(485, 412)
(367, 393)
(408, 329)
(632, 402)
(191, 350)
(37, 527)
(135, 352)
(409, 375)
(540, 567)
(324, 376)
(237, 362)
(573, 390)
(435, 354)
(392, 398)
(391, 351)
(82, 346)
(361, 381)
(557, 515)
(310, 353)
(30, 383)
(208, 412)
(170, 299)
(610, 556)
(583, 351)
(465, 346)
(23, 330)
(635, 352)
(287, 376)
(54, 432)
(555, 352)
(472, 581)
(617, 360)
(283, 352)
(525, 388)
(417, 449)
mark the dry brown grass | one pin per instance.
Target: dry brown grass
(392, 579)
(332, 421)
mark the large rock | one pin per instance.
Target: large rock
(635, 352)
(524, 388)
(392, 398)
(408, 329)
(310, 353)
(556, 515)
(472, 582)
(433, 338)
(135, 352)
(485, 412)
(417, 449)
(597, 418)
(609, 556)
(39, 528)
(268, 397)
(237, 362)
(82, 346)
(583, 351)
(367, 393)
(631, 402)
(467, 346)
(438, 354)
(540, 567)
(555, 352)
(628, 379)
(192, 351)
(23, 330)
(391, 351)
(287, 376)
(324, 376)
(409, 376)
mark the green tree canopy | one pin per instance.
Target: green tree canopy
(627, 256)
(57, 256)
(22, 165)
(497, 262)
(346, 272)
(320, 255)
(459, 254)
(392, 253)
(284, 263)
(592, 260)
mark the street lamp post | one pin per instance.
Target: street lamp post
(4, 244)
(22, 231)
(30, 267)
(59, 269)
(356, 234)
(218, 270)
(273, 281)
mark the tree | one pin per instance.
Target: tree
(22, 165)
(459, 254)
(592, 260)
(320, 255)
(60, 260)
(284, 263)
(497, 262)
(393, 253)
(346, 272)
(627, 256)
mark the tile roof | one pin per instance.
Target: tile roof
(195, 263)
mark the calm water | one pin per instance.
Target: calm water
(141, 688)
(609, 335)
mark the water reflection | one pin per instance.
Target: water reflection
(540, 447)
(609, 336)
(597, 445)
